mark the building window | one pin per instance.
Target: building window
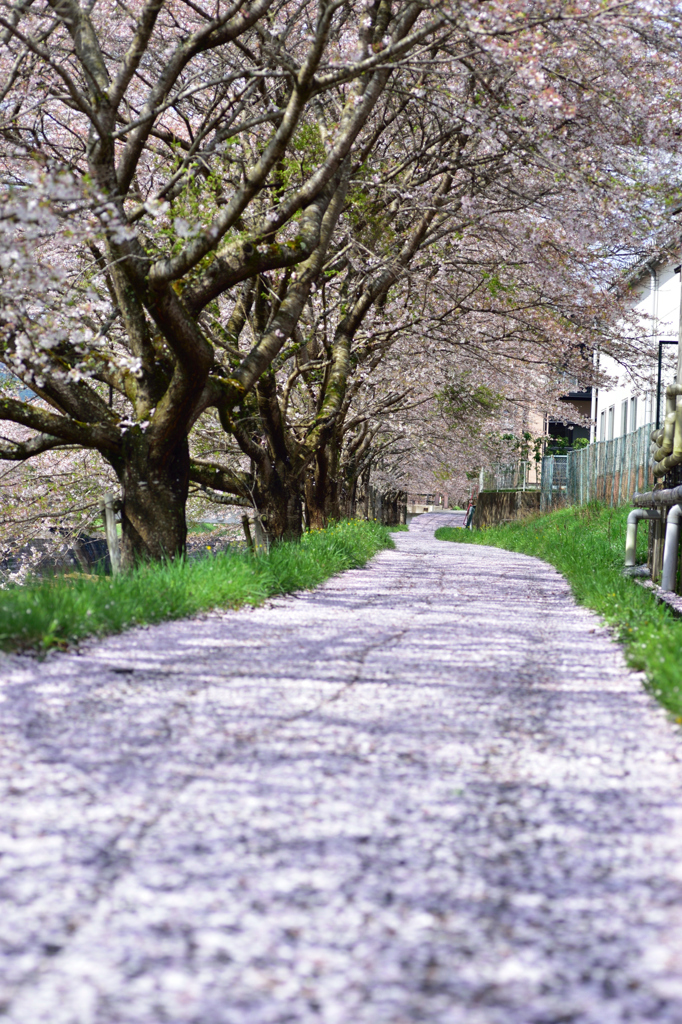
(624, 417)
(610, 423)
(633, 414)
(602, 426)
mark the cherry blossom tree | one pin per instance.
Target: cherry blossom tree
(476, 240)
(151, 166)
(296, 219)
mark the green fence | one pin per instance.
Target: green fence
(608, 471)
(520, 475)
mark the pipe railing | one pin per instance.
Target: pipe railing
(631, 534)
(671, 548)
(666, 496)
(666, 444)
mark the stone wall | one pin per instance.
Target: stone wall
(495, 507)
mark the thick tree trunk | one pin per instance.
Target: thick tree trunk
(282, 515)
(374, 504)
(278, 497)
(322, 495)
(155, 490)
(366, 492)
(392, 514)
(315, 505)
(352, 499)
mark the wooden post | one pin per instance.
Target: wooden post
(108, 508)
(262, 543)
(247, 531)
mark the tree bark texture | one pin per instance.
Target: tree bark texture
(154, 494)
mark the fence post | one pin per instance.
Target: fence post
(262, 538)
(247, 531)
(109, 511)
(547, 482)
(612, 444)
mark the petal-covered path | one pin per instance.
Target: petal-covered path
(429, 791)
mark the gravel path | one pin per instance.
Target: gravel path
(430, 791)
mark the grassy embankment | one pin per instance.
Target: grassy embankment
(587, 545)
(57, 612)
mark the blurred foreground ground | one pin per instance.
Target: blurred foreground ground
(428, 791)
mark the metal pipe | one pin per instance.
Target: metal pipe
(670, 550)
(661, 343)
(667, 440)
(667, 443)
(658, 385)
(664, 496)
(631, 534)
(674, 457)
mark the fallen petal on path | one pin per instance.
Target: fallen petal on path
(430, 790)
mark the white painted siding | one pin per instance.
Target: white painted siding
(621, 408)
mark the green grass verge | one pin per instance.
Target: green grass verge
(58, 612)
(587, 545)
(398, 528)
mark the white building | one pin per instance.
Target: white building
(622, 408)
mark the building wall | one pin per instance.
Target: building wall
(658, 299)
(574, 408)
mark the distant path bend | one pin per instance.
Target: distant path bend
(429, 791)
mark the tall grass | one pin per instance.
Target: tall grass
(587, 545)
(59, 612)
